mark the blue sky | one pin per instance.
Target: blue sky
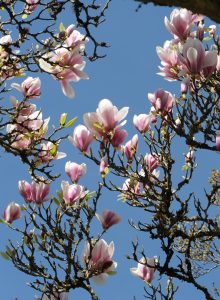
(125, 77)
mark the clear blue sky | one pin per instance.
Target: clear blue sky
(125, 77)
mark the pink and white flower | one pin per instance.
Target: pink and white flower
(81, 138)
(162, 100)
(108, 218)
(98, 260)
(12, 212)
(145, 269)
(72, 192)
(142, 122)
(30, 87)
(36, 192)
(75, 171)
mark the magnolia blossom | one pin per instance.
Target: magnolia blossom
(75, 171)
(218, 141)
(108, 218)
(151, 161)
(31, 5)
(130, 148)
(106, 120)
(74, 38)
(103, 167)
(142, 122)
(145, 269)
(118, 138)
(71, 192)
(30, 87)
(82, 138)
(171, 64)
(12, 212)
(185, 85)
(56, 296)
(181, 22)
(162, 100)
(65, 66)
(195, 59)
(98, 260)
(49, 152)
(36, 192)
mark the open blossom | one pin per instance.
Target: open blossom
(181, 22)
(108, 218)
(142, 122)
(130, 148)
(65, 66)
(75, 38)
(75, 171)
(81, 138)
(30, 6)
(56, 296)
(162, 100)
(170, 61)
(105, 121)
(12, 212)
(218, 141)
(30, 87)
(145, 269)
(36, 192)
(49, 152)
(195, 59)
(71, 192)
(98, 260)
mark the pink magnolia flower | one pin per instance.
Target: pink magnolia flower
(30, 87)
(30, 6)
(20, 141)
(162, 100)
(98, 260)
(145, 269)
(195, 59)
(12, 212)
(71, 192)
(36, 192)
(106, 119)
(151, 161)
(218, 141)
(56, 296)
(49, 152)
(82, 138)
(118, 137)
(65, 66)
(130, 148)
(75, 38)
(108, 218)
(142, 122)
(181, 22)
(75, 171)
(171, 64)
(103, 167)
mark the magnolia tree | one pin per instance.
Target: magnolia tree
(56, 245)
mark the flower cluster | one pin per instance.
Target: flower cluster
(66, 63)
